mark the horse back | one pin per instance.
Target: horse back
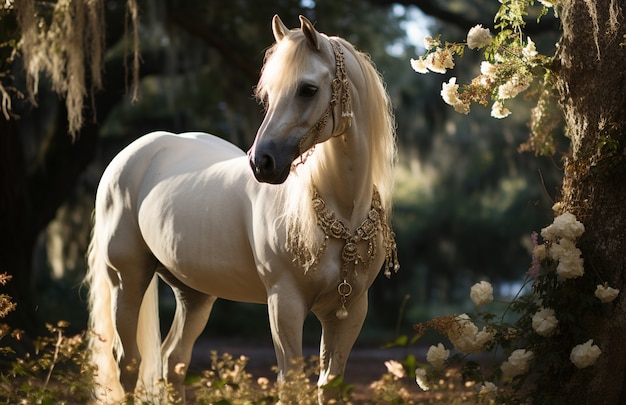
(186, 199)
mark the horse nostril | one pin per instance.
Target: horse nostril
(266, 164)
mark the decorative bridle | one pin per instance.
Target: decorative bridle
(332, 227)
(340, 93)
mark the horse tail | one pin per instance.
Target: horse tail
(103, 341)
(149, 344)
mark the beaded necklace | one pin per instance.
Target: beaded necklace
(350, 255)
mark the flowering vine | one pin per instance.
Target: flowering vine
(539, 333)
(512, 64)
(544, 336)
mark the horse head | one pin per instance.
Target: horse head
(302, 81)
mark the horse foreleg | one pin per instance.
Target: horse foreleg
(192, 313)
(286, 317)
(338, 337)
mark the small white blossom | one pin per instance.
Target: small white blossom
(529, 52)
(481, 293)
(571, 264)
(429, 42)
(518, 363)
(421, 379)
(515, 85)
(498, 110)
(564, 226)
(450, 95)
(437, 356)
(544, 321)
(605, 293)
(395, 368)
(419, 66)
(466, 338)
(585, 355)
(478, 37)
(488, 69)
(440, 60)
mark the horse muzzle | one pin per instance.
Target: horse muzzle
(267, 168)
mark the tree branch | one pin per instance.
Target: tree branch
(434, 9)
(196, 27)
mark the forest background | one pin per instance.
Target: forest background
(467, 197)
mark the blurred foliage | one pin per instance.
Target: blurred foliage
(466, 200)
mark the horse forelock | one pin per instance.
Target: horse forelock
(284, 64)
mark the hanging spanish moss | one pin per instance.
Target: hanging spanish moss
(65, 42)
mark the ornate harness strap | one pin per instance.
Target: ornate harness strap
(350, 256)
(340, 83)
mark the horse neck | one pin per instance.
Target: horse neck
(344, 178)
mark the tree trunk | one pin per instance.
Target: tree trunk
(591, 81)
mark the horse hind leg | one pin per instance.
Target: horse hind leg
(137, 326)
(193, 309)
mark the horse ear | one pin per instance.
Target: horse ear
(309, 32)
(279, 29)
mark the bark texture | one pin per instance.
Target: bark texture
(591, 81)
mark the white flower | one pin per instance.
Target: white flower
(437, 356)
(395, 368)
(450, 95)
(564, 226)
(515, 85)
(481, 293)
(529, 52)
(585, 355)
(571, 265)
(440, 60)
(488, 69)
(517, 363)
(429, 42)
(498, 110)
(544, 321)
(421, 379)
(563, 248)
(466, 338)
(478, 37)
(605, 293)
(419, 66)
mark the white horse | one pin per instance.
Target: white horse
(301, 223)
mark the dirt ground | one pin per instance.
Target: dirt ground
(365, 365)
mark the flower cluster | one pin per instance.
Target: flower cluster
(518, 363)
(511, 65)
(538, 329)
(561, 238)
(466, 338)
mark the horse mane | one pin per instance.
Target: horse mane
(282, 68)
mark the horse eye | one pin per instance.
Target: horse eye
(307, 90)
